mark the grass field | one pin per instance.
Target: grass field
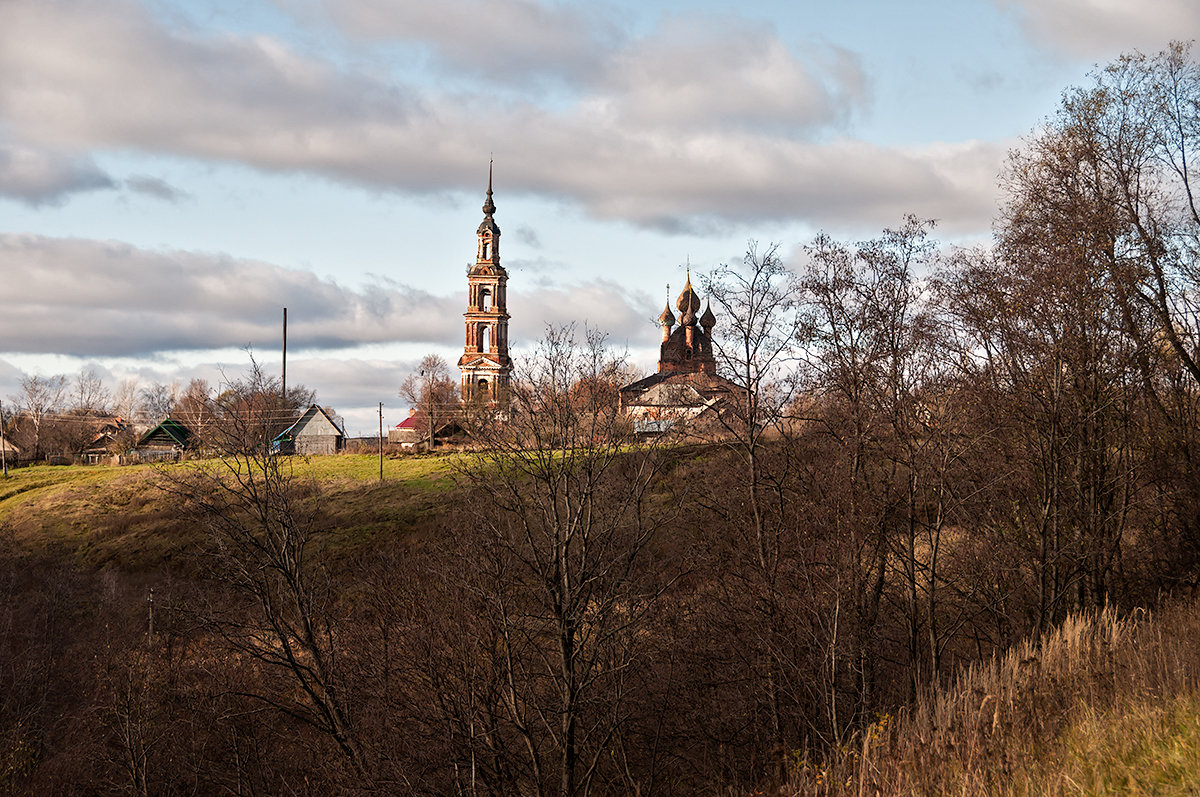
(123, 517)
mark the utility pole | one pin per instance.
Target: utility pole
(381, 441)
(283, 380)
(3, 447)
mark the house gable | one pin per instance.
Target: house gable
(316, 432)
(170, 433)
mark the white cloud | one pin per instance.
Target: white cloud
(500, 40)
(688, 128)
(1102, 29)
(602, 304)
(105, 298)
(40, 176)
(704, 73)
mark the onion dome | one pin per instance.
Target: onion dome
(667, 319)
(688, 302)
(708, 320)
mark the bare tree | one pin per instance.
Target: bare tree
(195, 408)
(89, 394)
(567, 521)
(41, 397)
(1135, 135)
(755, 346)
(261, 521)
(432, 392)
(157, 400)
(1108, 187)
(1063, 350)
(857, 335)
(125, 402)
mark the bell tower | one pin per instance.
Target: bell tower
(485, 364)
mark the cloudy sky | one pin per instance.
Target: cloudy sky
(175, 172)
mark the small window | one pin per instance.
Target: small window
(485, 299)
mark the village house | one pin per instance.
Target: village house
(109, 440)
(166, 441)
(318, 431)
(11, 453)
(413, 431)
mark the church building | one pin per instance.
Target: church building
(485, 364)
(686, 387)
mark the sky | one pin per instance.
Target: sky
(173, 173)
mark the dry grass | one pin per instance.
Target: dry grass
(1104, 705)
(119, 516)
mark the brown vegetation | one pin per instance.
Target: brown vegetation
(1104, 704)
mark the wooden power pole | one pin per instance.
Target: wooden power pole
(3, 446)
(283, 380)
(381, 441)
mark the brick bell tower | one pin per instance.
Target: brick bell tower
(485, 365)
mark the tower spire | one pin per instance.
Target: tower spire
(489, 207)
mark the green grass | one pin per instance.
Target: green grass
(119, 516)
(1149, 746)
(24, 480)
(433, 472)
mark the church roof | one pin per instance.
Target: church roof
(702, 382)
(688, 302)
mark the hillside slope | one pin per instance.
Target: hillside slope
(1104, 705)
(125, 517)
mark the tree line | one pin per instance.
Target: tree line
(61, 415)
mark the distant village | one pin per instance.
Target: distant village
(58, 420)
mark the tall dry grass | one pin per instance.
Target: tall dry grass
(1104, 705)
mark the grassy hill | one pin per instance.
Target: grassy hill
(125, 518)
(1102, 706)
(1105, 704)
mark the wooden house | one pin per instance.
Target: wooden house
(110, 440)
(413, 431)
(12, 453)
(167, 441)
(409, 432)
(317, 432)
